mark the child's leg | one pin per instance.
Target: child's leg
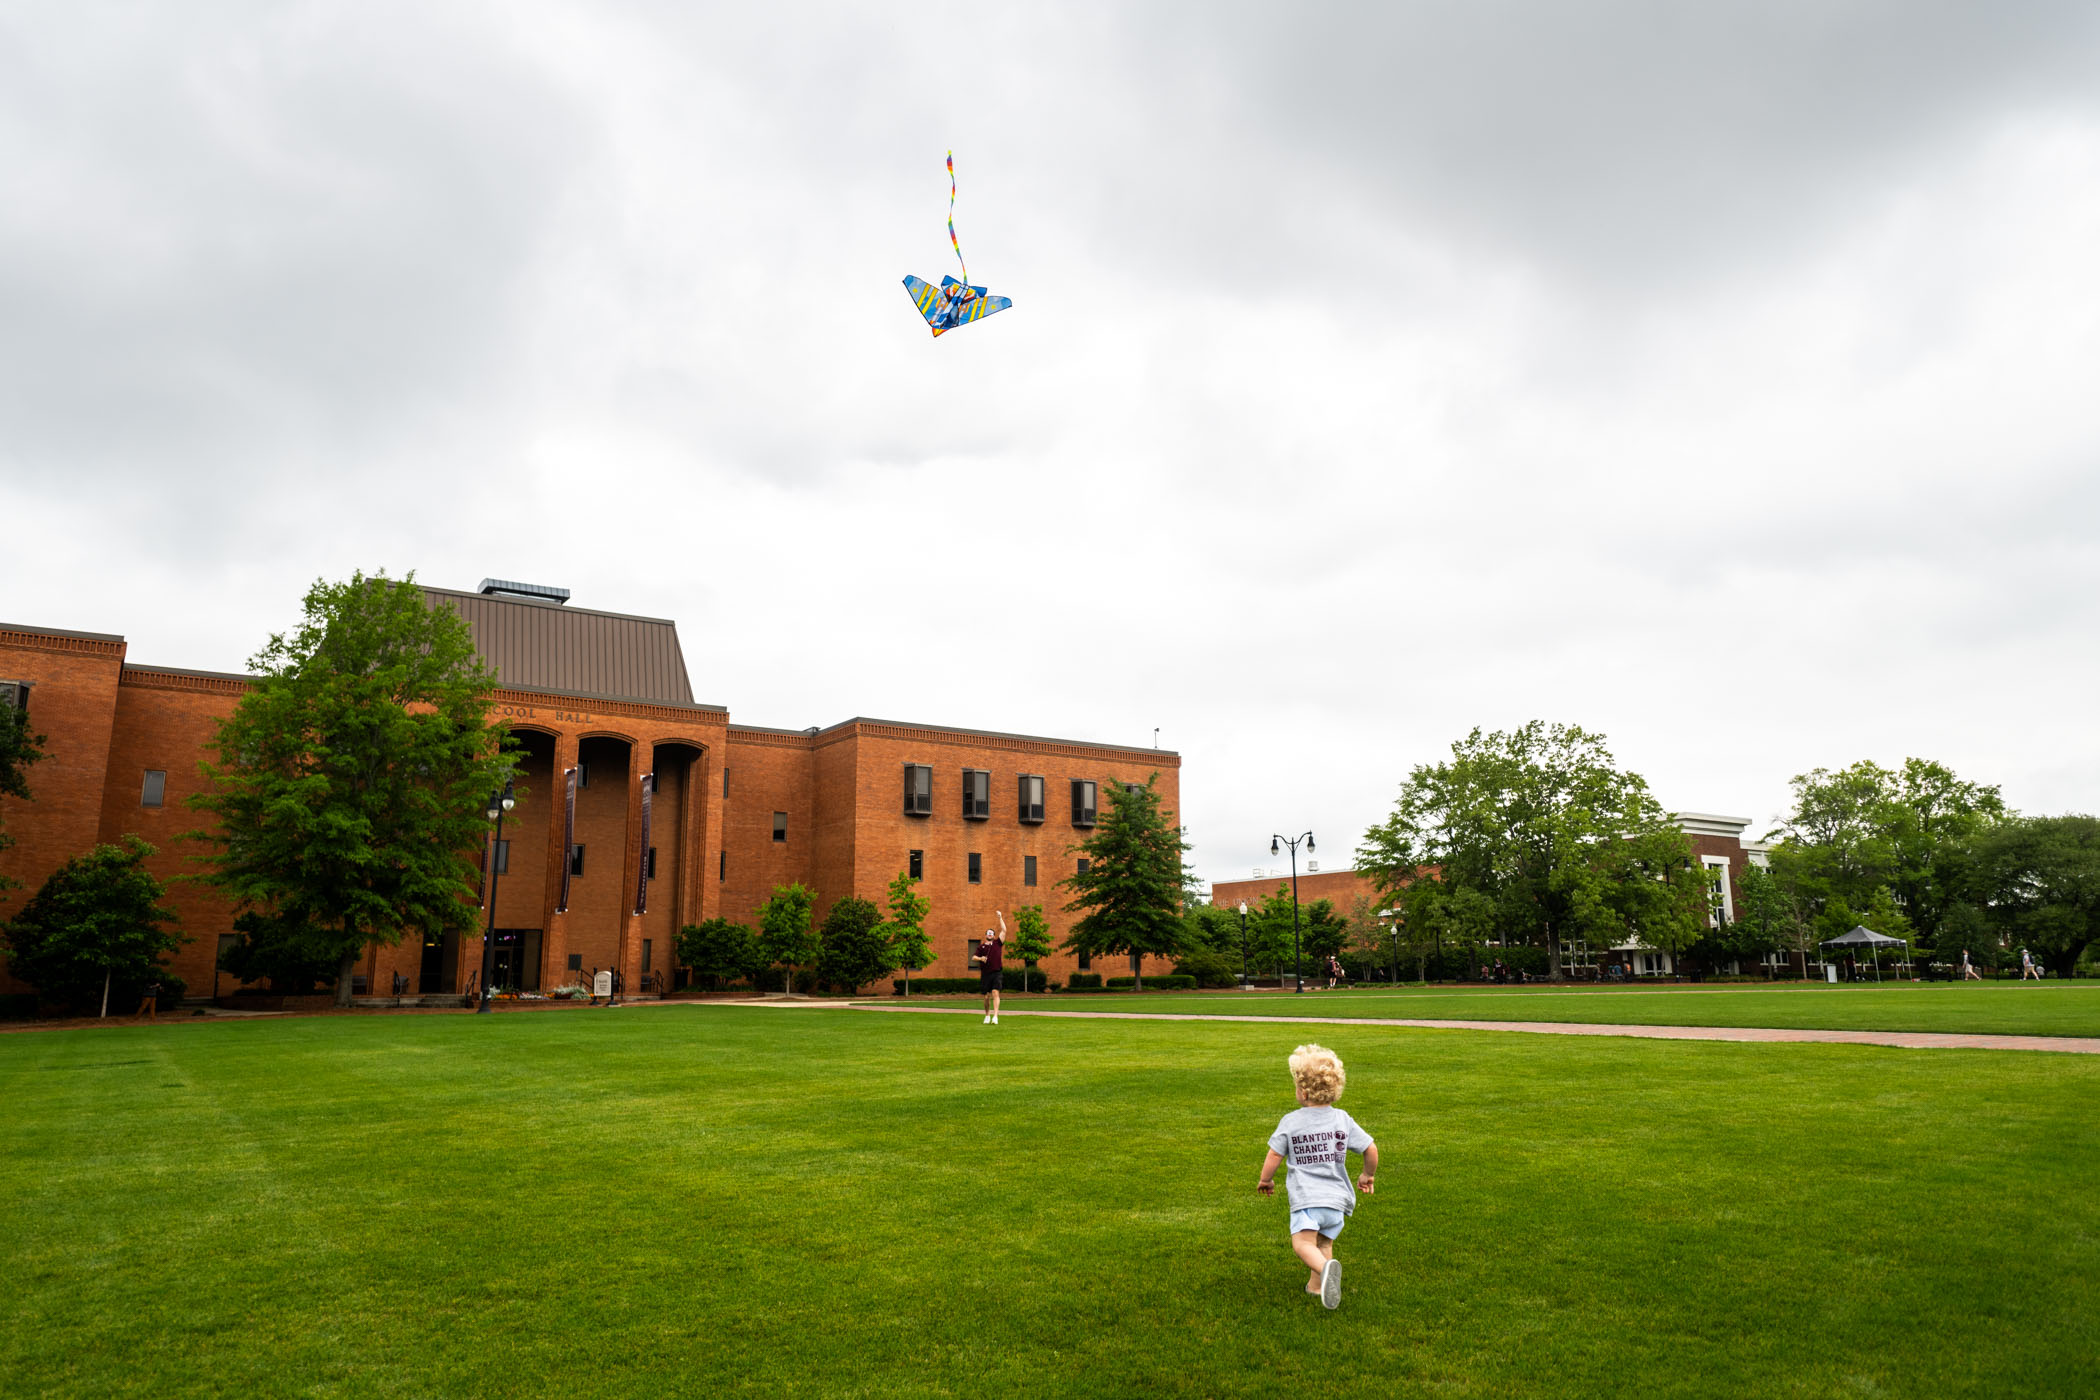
(1306, 1244)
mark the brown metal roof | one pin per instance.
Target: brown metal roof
(574, 651)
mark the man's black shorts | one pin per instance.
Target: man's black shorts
(988, 979)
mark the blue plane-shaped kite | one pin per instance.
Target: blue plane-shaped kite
(952, 303)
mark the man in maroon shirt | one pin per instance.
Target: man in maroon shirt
(990, 959)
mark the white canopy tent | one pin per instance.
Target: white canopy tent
(1864, 937)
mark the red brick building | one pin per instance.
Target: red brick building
(985, 819)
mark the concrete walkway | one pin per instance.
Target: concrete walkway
(1902, 1040)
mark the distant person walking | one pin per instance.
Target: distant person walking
(1968, 969)
(2027, 967)
(1334, 971)
(991, 960)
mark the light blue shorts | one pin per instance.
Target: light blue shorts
(1327, 1220)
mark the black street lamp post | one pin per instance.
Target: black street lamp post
(1276, 844)
(499, 803)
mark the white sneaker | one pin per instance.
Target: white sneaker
(987, 1018)
(995, 1020)
(1331, 1284)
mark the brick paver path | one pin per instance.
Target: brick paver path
(1905, 1040)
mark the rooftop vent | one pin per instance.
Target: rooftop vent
(538, 592)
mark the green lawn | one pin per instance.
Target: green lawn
(710, 1200)
(2001, 1008)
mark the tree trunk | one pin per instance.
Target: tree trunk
(1137, 972)
(1553, 955)
(105, 991)
(345, 974)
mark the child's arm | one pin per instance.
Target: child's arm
(1267, 1184)
(1367, 1179)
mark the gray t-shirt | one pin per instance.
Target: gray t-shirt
(1316, 1143)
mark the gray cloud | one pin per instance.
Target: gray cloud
(1717, 376)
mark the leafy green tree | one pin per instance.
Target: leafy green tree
(1866, 828)
(1768, 919)
(96, 924)
(856, 950)
(292, 957)
(1031, 940)
(1129, 899)
(906, 929)
(2043, 878)
(1269, 928)
(1543, 824)
(352, 776)
(1324, 933)
(787, 933)
(720, 949)
(19, 748)
(1447, 917)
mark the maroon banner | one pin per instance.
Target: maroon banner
(568, 841)
(641, 874)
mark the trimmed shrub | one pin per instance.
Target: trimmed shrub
(1084, 982)
(1209, 968)
(18, 1006)
(1169, 982)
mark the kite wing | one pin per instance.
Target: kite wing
(952, 303)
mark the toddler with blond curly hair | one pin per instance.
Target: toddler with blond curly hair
(1316, 1139)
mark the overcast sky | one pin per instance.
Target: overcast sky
(1724, 378)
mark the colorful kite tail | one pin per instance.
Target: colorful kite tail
(951, 219)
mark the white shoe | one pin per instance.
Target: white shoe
(1331, 1284)
(995, 1020)
(988, 1018)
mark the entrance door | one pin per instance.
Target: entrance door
(431, 979)
(517, 960)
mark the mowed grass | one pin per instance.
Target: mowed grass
(1987, 1008)
(704, 1200)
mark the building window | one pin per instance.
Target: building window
(918, 864)
(503, 856)
(725, 780)
(1031, 798)
(227, 943)
(780, 826)
(576, 859)
(970, 954)
(1027, 870)
(575, 962)
(976, 868)
(723, 872)
(1086, 960)
(918, 790)
(652, 862)
(14, 695)
(156, 788)
(1083, 799)
(645, 954)
(1720, 904)
(583, 774)
(977, 794)
(1085, 865)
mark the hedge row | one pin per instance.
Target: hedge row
(1009, 980)
(1164, 982)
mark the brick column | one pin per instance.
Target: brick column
(692, 852)
(554, 932)
(641, 759)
